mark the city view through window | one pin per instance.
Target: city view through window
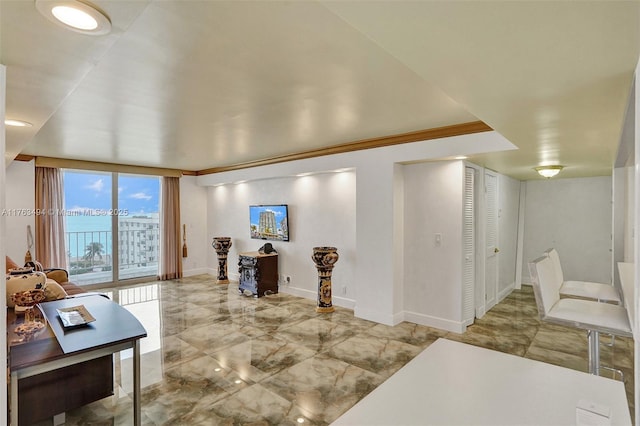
(104, 232)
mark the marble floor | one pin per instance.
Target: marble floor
(215, 357)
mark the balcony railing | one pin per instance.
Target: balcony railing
(90, 255)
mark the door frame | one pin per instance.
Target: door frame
(480, 199)
(488, 304)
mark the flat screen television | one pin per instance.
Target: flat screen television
(269, 222)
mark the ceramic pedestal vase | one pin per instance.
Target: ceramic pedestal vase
(222, 245)
(324, 258)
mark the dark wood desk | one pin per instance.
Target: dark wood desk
(114, 330)
(40, 396)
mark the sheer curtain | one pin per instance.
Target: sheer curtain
(170, 248)
(51, 250)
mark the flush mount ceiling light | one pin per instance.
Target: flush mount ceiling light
(17, 123)
(75, 15)
(548, 171)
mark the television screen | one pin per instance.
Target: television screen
(269, 222)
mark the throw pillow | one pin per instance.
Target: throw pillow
(59, 275)
(54, 291)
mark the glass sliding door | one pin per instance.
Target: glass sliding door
(89, 233)
(112, 226)
(139, 231)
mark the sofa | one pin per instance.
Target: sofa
(82, 383)
(55, 277)
(61, 277)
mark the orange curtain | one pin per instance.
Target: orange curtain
(51, 250)
(170, 248)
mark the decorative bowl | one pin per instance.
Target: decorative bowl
(29, 329)
(28, 298)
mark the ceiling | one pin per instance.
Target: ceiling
(194, 85)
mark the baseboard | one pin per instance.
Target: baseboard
(392, 319)
(343, 302)
(196, 271)
(299, 292)
(435, 322)
(504, 293)
(214, 271)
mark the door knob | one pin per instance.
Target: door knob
(496, 250)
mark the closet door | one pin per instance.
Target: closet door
(491, 238)
(468, 248)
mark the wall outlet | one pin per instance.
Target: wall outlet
(344, 290)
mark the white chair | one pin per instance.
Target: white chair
(585, 289)
(588, 315)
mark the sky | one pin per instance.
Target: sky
(92, 190)
(279, 210)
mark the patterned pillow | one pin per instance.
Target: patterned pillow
(53, 290)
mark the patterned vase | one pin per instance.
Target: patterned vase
(324, 258)
(20, 280)
(222, 245)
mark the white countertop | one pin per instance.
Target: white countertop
(453, 383)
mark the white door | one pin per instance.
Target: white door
(491, 239)
(468, 248)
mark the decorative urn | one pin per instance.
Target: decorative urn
(324, 258)
(222, 245)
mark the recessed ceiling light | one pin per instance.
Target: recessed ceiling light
(461, 157)
(17, 123)
(75, 15)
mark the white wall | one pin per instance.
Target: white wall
(193, 213)
(20, 203)
(322, 212)
(379, 230)
(629, 223)
(433, 274)
(574, 216)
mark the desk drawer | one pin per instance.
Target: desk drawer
(58, 391)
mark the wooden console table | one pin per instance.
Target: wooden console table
(114, 330)
(258, 273)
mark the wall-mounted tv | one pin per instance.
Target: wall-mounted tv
(269, 222)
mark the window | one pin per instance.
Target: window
(99, 225)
